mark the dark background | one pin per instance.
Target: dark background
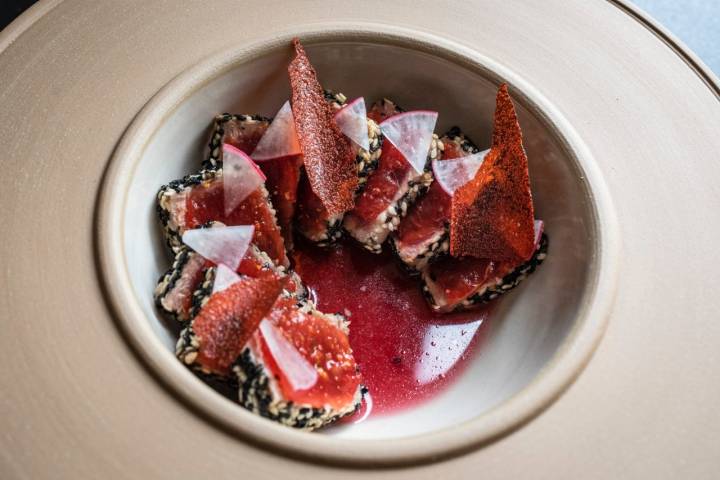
(9, 9)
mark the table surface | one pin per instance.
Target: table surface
(646, 405)
(695, 22)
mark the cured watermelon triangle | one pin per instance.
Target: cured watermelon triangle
(492, 215)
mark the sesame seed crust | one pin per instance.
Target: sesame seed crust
(257, 393)
(174, 284)
(491, 290)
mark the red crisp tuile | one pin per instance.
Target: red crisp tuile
(329, 156)
(492, 215)
(231, 316)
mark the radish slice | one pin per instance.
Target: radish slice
(226, 245)
(538, 227)
(352, 121)
(224, 277)
(280, 139)
(241, 177)
(411, 133)
(299, 372)
(454, 173)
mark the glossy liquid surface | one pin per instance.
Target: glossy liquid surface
(406, 352)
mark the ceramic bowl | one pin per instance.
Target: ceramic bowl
(540, 335)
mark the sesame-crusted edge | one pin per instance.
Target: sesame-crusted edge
(491, 291)
(212, 160)
(256, 395)
(172, 231)
(167, 282)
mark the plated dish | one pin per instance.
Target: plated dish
(92, 362)
(292, 220)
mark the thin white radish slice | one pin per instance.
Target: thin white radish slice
(538, 227)
(411, 133)
(222, 245)
(453, 173)
(280, 139)
(352, 121)
(224, 277)
(241, 177)
(299, 372)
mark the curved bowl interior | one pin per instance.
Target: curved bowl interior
(530, 323)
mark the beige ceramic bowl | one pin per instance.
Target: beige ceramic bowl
(540, 337)
(91, 93)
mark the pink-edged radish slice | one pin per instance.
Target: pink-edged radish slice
(454, 173)
(223, 245)
(280, 139)
(241, 177)
(411, 133)
(352, 121)
(299, 372)
(538, 227)
(224, 277)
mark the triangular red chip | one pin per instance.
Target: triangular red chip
(492, 215)
(506, 129)
(329, 155)
(231, 316)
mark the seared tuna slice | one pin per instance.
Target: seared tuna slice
(253, 264)
(313, 220)
(389, 191)
(282, 174)
(176, 293)
(453, 284)
(298, 368)
(241, 131)
(366, 160)
(228, 319)
(423, 234)
(199, 198)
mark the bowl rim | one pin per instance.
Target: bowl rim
(549, 383)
